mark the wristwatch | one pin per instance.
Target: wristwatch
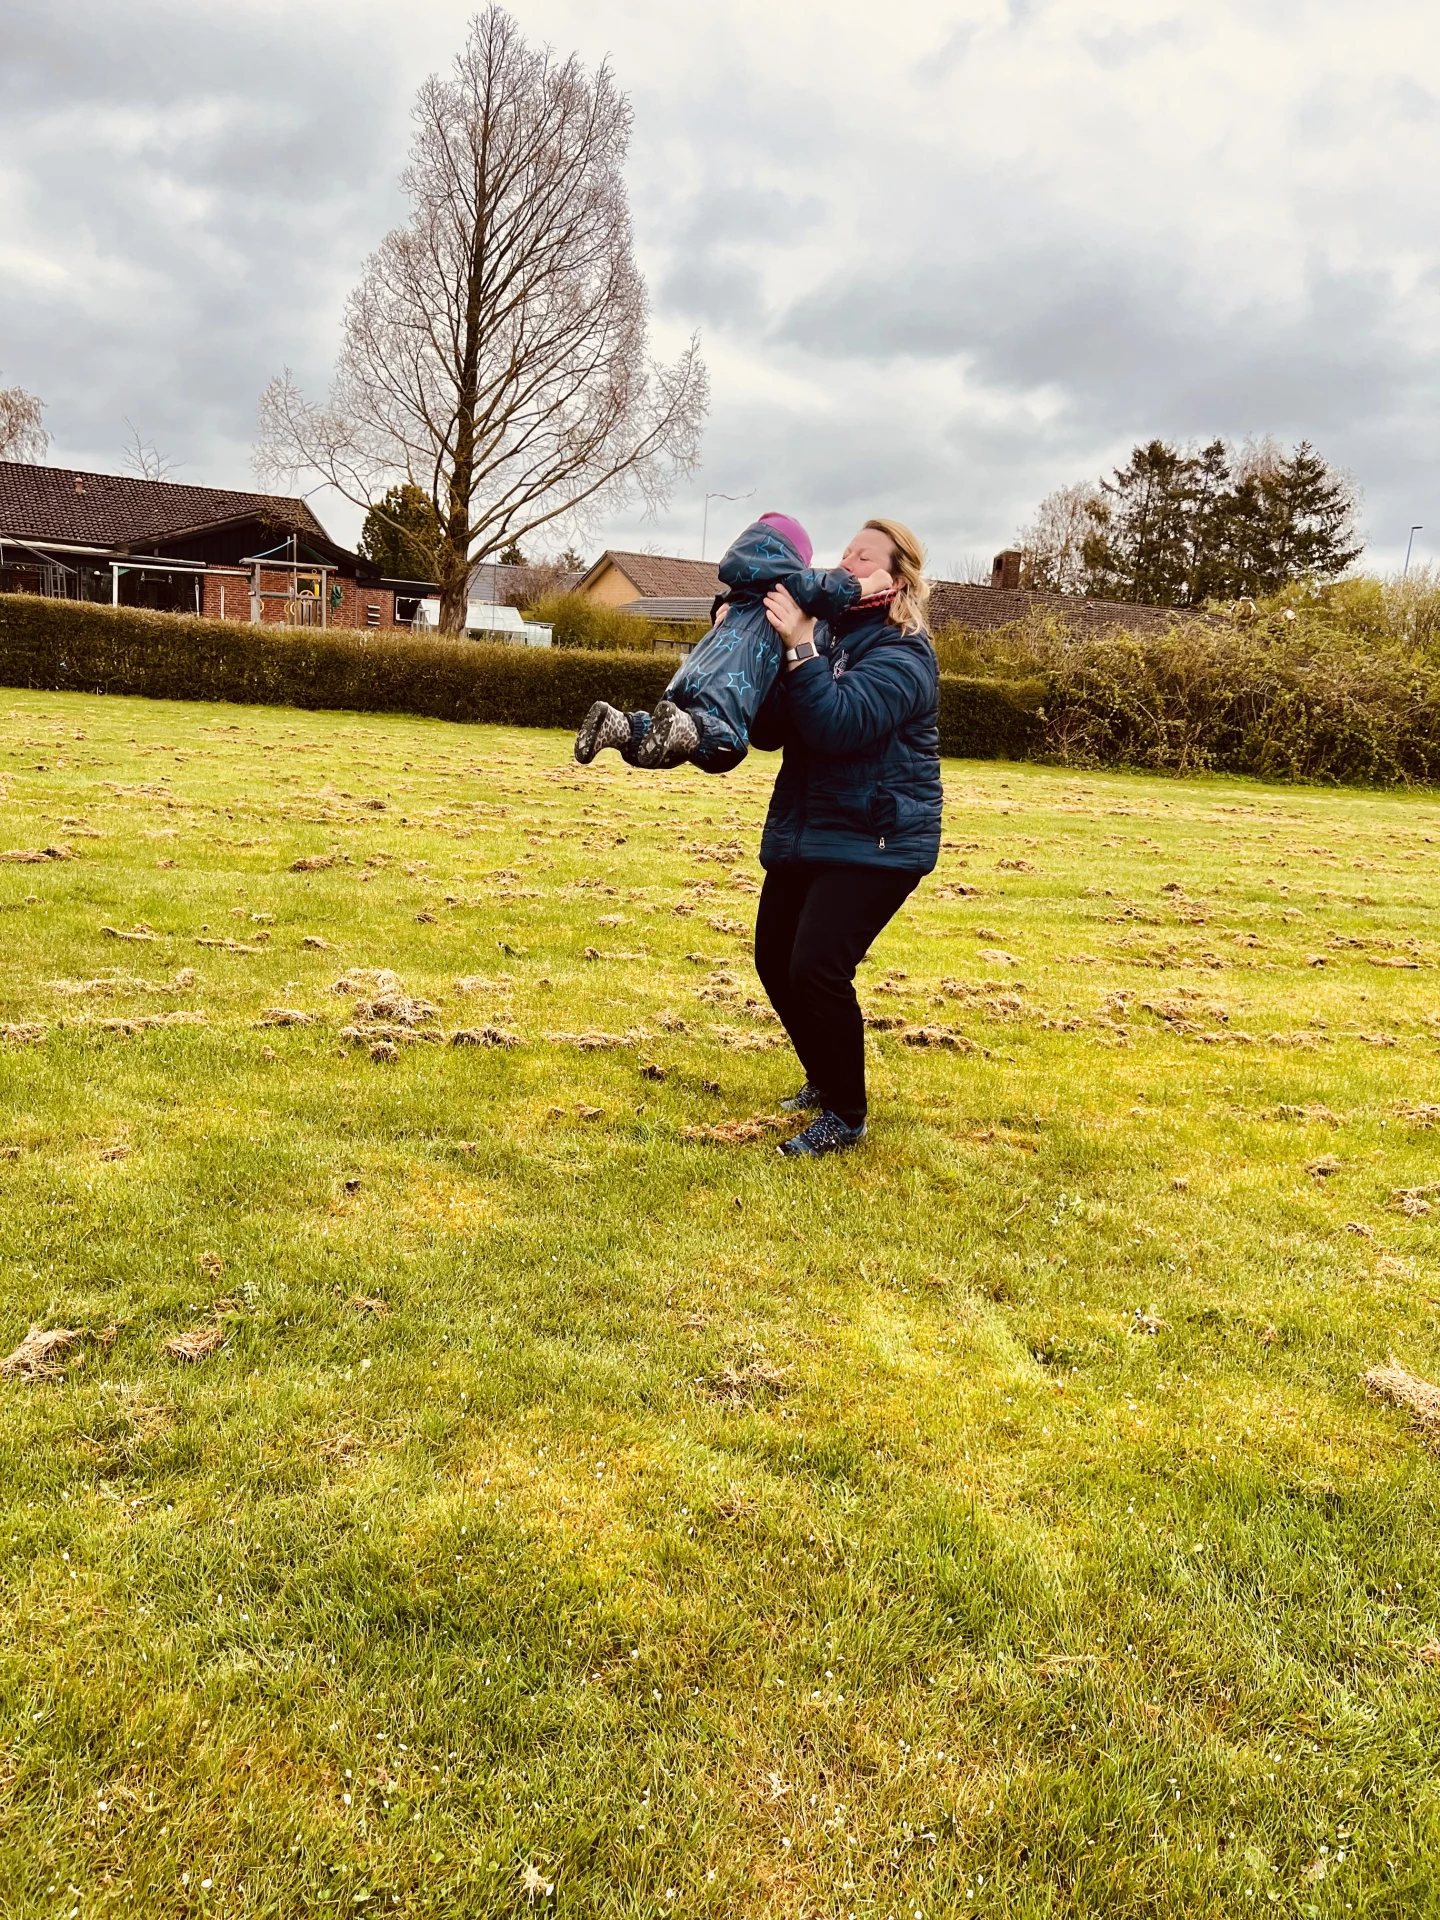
(806, 650)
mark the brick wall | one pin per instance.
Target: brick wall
(227, 597)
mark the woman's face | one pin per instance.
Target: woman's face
(869, 552)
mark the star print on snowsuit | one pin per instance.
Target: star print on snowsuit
(724, 681)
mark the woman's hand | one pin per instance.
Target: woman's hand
(785, 616)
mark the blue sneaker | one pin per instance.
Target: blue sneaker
(803, 1101)
(828, 1134)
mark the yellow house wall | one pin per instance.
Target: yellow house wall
(613, 588)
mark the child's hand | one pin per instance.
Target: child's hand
(875, 583)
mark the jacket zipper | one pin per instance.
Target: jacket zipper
(882, 843)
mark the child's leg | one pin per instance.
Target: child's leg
(719, 747)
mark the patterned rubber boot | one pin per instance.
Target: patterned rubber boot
(803, 1101)
(828, 1134)
(673, 737)
(603, 726)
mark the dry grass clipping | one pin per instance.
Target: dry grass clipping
(33, 1359)
(385, 1035)
(949, 1039)
(1402, 1388)
(484, 1037)
(368, 1303)
(402, 1009)
(24, 1033)
(739, 1133)
(737, 1386)
(196, 1344)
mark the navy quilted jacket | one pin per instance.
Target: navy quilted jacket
(860, 782)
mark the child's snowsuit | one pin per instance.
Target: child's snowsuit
(723, 682)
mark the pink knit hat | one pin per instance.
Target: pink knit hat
(793, 532)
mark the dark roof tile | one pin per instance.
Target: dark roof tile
(116, 510)
(659, 575)
(953, 603)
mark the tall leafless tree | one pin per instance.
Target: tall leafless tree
(495, 351)
(22, 436)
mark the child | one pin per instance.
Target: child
(707, 708)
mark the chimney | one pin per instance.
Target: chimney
(1005, 572)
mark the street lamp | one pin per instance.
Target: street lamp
(705, 523)
(1417, 528)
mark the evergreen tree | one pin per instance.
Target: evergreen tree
(1181, 526)
(401, 534)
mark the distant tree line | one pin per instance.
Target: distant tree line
(1179, 526)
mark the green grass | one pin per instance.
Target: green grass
(698, 1533)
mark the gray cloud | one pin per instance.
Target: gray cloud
(939, 270)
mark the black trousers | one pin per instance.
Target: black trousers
(813, 928)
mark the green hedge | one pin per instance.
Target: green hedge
(991, 719)
(72, 646)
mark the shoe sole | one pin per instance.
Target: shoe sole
(654, 750)
(585, 747)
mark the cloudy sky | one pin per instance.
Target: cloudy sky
(943, 257)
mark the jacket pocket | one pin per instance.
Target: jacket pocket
(883, 812)
(837, 807)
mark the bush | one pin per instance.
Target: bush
(1287, 703)
(580, 622)
(64, 644)
(982, 719)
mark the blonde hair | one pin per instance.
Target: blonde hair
(907, 609)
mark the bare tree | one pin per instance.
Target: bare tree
(1053, 547)
(144, 458)
(495, 350)
(22, 436)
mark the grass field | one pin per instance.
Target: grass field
(587, 1514)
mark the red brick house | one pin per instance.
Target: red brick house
(958, 603)
(180, 549)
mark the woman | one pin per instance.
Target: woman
(854, 820)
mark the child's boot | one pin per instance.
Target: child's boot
(673, 737)
(603, 726)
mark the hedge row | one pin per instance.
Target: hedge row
(66, 645)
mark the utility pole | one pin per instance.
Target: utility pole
(1417, 528)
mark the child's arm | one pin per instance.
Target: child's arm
(829, 594)
(825, 594)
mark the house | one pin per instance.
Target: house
(958, 603)
(230, 555)
(674, 591)
(637, 581)
(495, 583)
